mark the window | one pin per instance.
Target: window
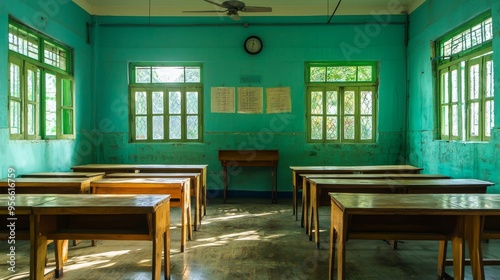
(465, 73)
(41, 93)
(342, 102)
(166, 103)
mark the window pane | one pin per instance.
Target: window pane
(349, 127)
(158, 128)
(15, 117)
(331, 102)
(476, 35)
(31, 85)
(454, 120)
(23, 42)
(489, 117)
(67, 121)
(342, 74)
(316, 102)
(317, 74)
(445, 122)
(143, 75)
(175, 127)
(366, 103)
(349, 102)
(193, 74)
(55, 55)
(15, 80)
(364, 73)
(67, 93)
(488, 29)
(141, 103)
(317, 127)
(192, 102)
(192, 127)
(331, 128)
(174, 102)
(474, 81)
(163, 74)
(444, 88)
(366, 127)
(158, 103)
(474, 119)
(31, 119)
(141, 128)
(50, 104)
(454, 86)
(489, 87)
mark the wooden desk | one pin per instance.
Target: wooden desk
(195, 187)
(306, 178)
(439, 186)
(137, 217)
(93, 175)
(178, 189)
(234, 158)
(49, 185)
(412, 217)
(151, 168)
(369, 169)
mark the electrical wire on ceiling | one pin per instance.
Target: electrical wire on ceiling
(334, 11)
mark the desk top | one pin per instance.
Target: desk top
(25, 200)
(153, 175)
(367, 168)
(466, 204)
(142, 181)
(100, 204)
(106, 166)
(63, 174)
(45, 182)
(374, 176)
(248, 155)
(399, 182)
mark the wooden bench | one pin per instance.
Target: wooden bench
(178, 189)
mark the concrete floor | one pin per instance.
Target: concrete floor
(247, 239)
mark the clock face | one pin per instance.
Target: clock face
(253, 45)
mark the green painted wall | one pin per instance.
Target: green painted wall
(65, 22)
(217, 43)
(455, 158)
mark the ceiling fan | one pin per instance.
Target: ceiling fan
(232, 7)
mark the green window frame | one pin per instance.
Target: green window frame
(341, 102)
(166, 102)
(464, 64)
(41, 86)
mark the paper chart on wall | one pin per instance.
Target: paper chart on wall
(250, 100)
(278, 100)
(222, 100)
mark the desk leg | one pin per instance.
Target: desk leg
(183, 221)
(333, 239)
(443, 246)
(274, 188)
(157, 250)
(294, 192)
(166, 247)
(225, 182)
(61, 248)
(473, 235)
(39, 253)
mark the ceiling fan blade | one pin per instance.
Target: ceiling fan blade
(210, 11)
(254, 9)
(215, 3)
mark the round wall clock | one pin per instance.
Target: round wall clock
(253, 45)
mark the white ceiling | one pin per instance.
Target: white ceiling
(280, 7)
